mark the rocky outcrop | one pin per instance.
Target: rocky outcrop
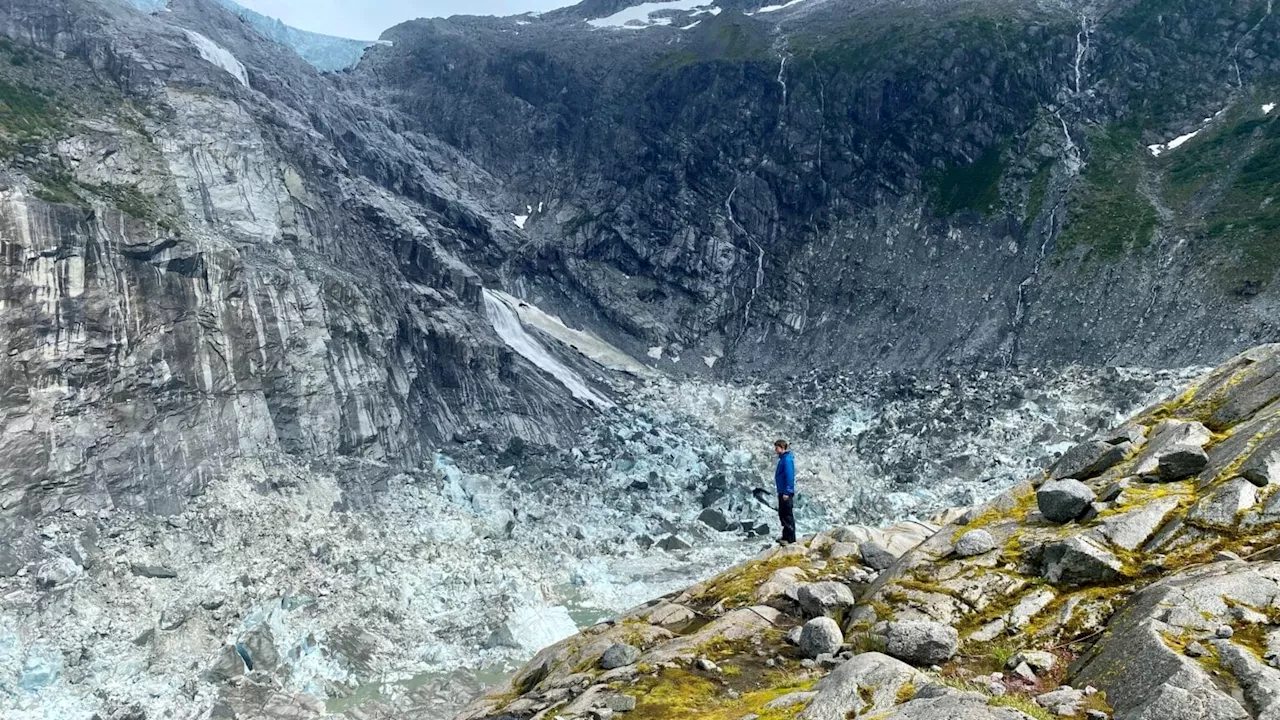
(202, 262)
(946, 193)
(1158, 606)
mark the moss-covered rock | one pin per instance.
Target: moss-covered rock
(1124, 628)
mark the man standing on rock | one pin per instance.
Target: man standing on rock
(784, 477)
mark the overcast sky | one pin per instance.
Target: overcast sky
(366, 19)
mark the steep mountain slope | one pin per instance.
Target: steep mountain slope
(284, 422)
(325, 52)
(209, 253)
(884, 182)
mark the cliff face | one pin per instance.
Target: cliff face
(885, 183)
(284, 420)
(209, 253)
(1137, 578)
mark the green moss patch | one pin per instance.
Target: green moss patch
(1036, 192)
(736, 587)
(681, 693)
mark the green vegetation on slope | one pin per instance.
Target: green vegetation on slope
(1226, 183)
(728, 37)
(1247, 220)
(975, 186)
(1108, 213)
(1036, 193)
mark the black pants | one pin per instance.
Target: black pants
(787, 517)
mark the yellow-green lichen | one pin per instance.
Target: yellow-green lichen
(905, 692)
(736, 587)
(679, 693)
(1023, 704)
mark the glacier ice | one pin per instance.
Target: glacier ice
(534, 628)
(507, 324)
(218, 55)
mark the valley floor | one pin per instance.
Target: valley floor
(292, 590)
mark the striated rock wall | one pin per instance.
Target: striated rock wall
(195, 270)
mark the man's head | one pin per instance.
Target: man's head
(779, 446)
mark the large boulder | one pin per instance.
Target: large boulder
(784, 582)
(1222, 508)
(921, 642)
(825, 599)
(672, 543)
(1248, 389)
(820, 636)
(1181, 462)
(866, 684)
(1262, 467)
(975, 542)
(1089, 459)
(1171, 438)
(877, 557)
(1062, 501)
(1129, 530)
(716, 520)
(619, 655)
(1079, 560)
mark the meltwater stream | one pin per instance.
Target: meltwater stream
(507, 324)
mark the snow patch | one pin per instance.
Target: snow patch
(1173, 144)
(775, 8)
(520, 220)
(505, 321)
(1266, 109)
(587, 343)
(1182, 140)
(216, 54)
(656, 352)
(638, 17)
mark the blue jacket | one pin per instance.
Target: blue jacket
(785, 476)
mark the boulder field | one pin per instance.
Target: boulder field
(1137, 578)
